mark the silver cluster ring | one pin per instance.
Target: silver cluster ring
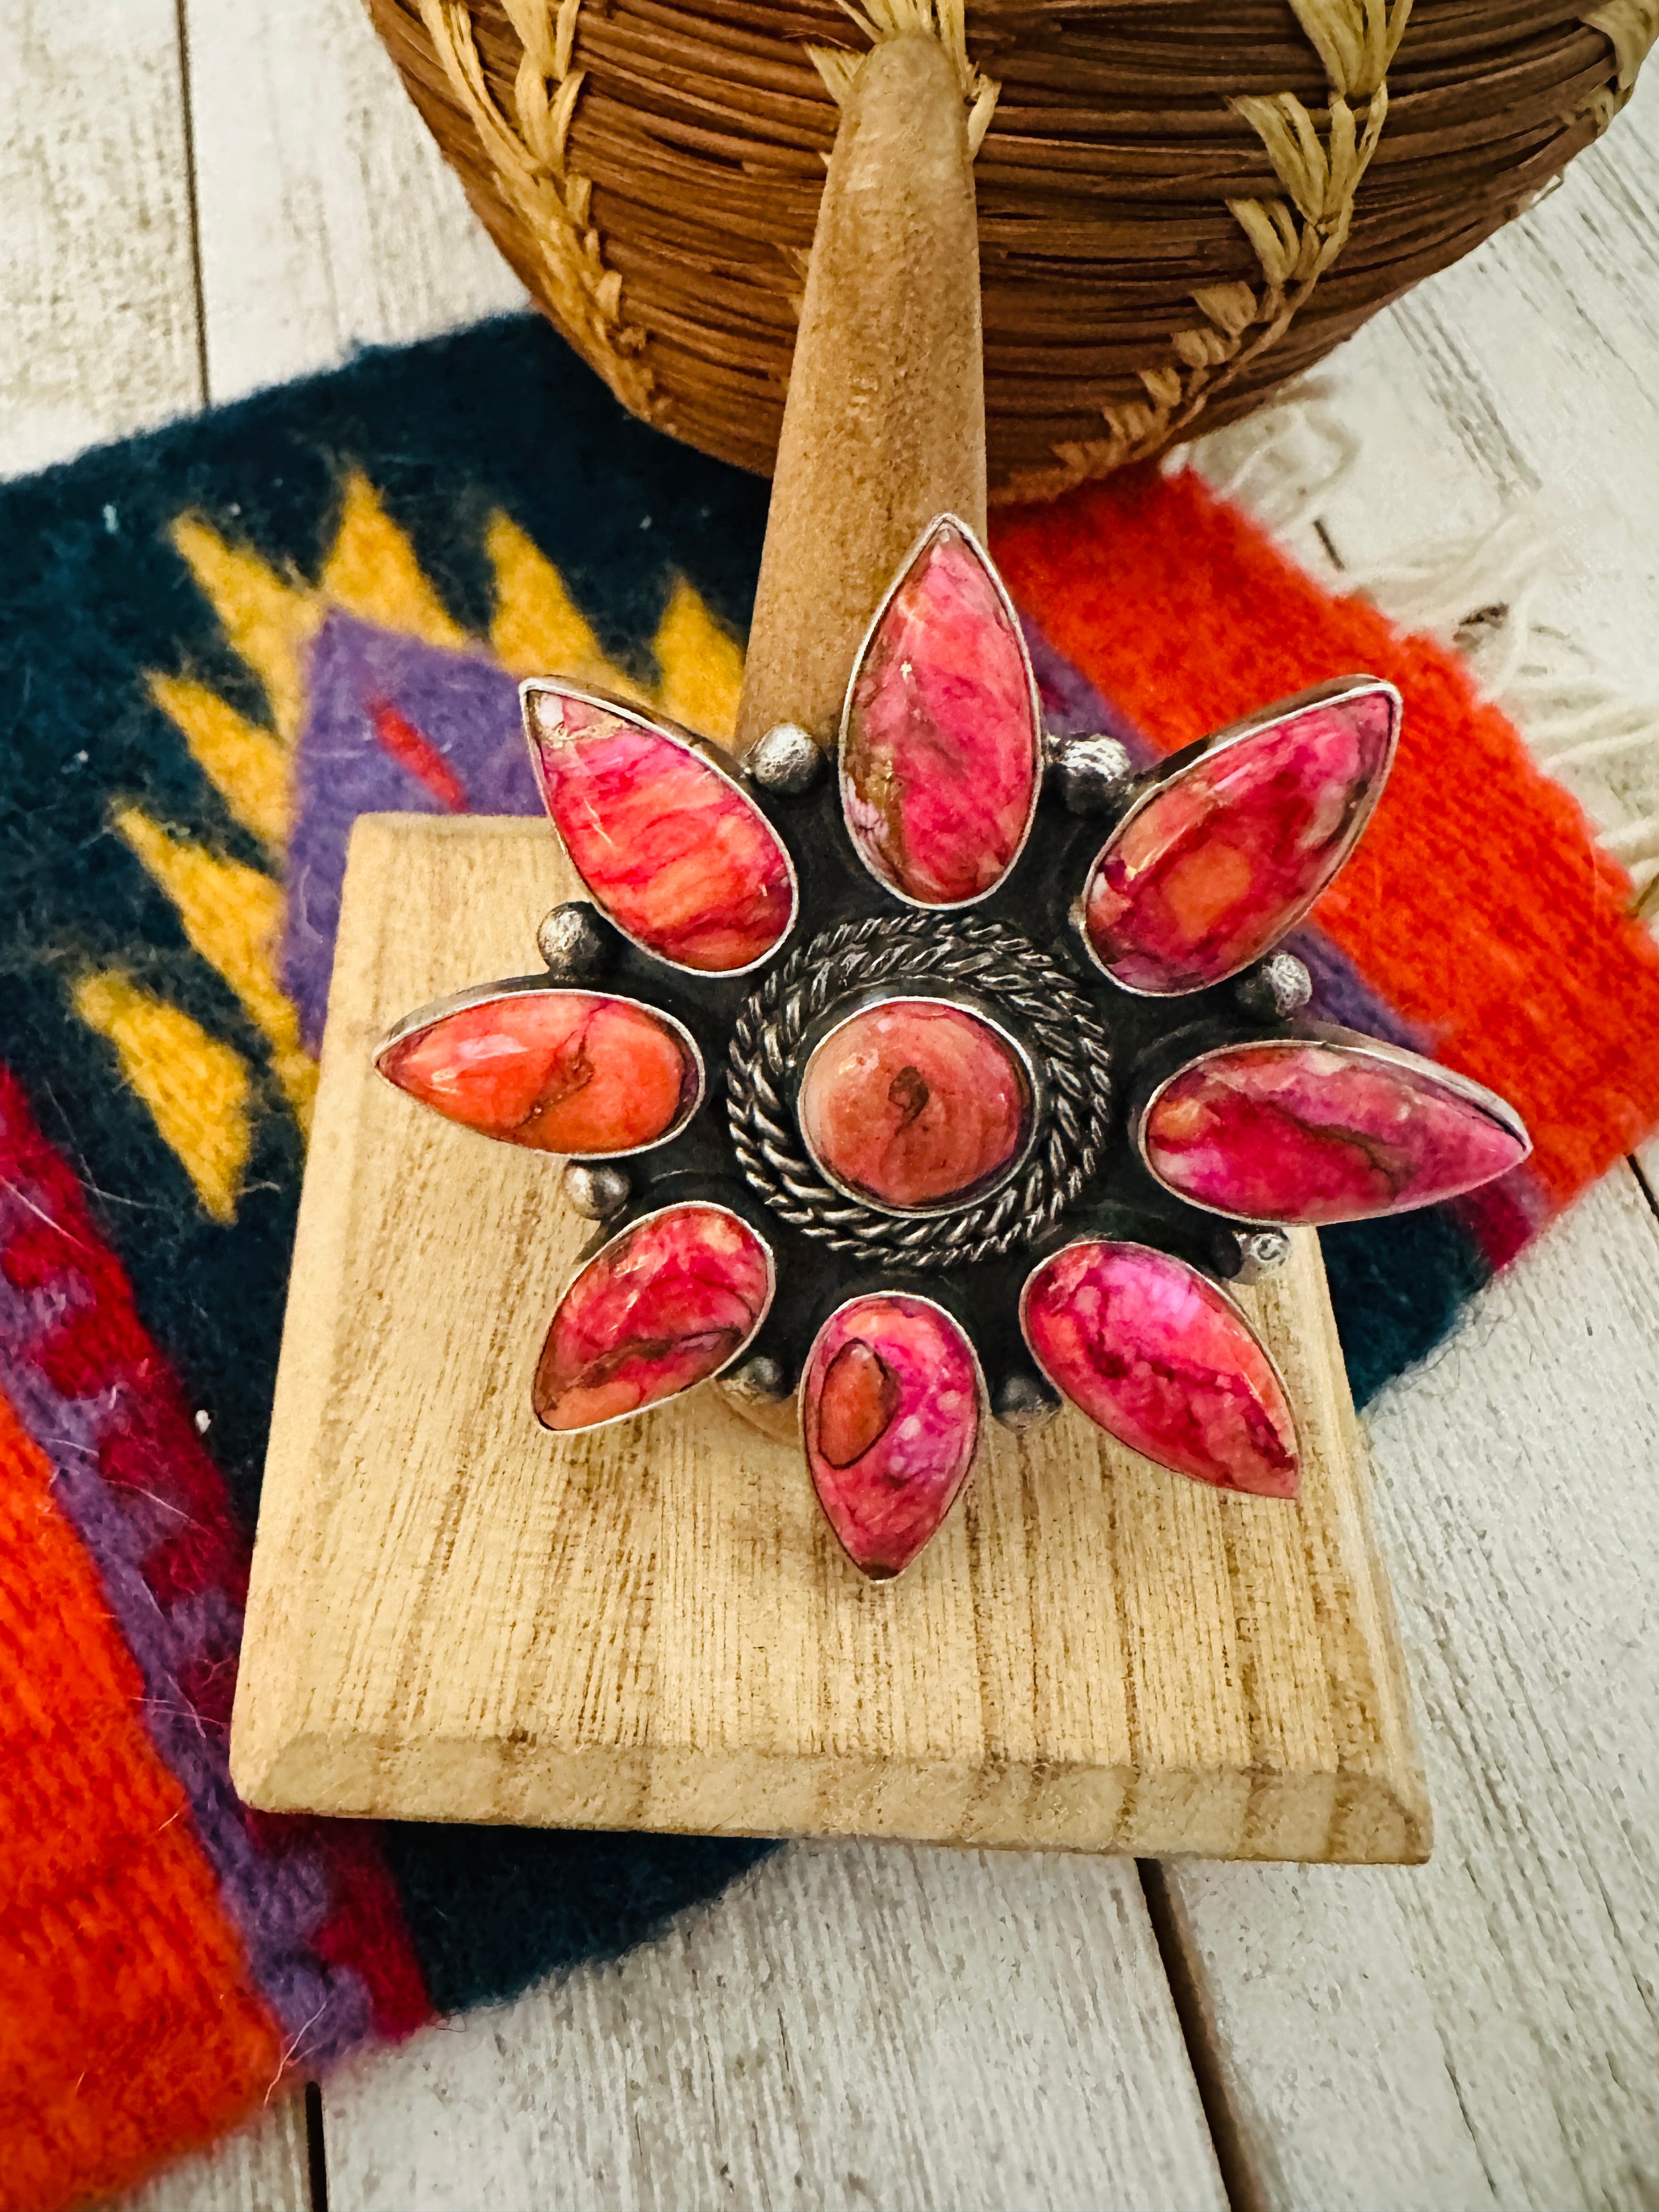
(891, 951)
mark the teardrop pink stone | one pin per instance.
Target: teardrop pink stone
(1162, 1359)
(941, 746)
(890, 1411)
(572, 1072)
(663, 1306)
(1210, 872)
(1319, 1132)
(681, 860)
(914, 1103)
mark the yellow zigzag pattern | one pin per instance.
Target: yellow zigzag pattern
(233, 915)
(198, 1089)
(247, 765)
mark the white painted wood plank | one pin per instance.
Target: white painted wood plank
(1537, 361)
(263, 2167)
(1482, 2031)
(852, 2027)
(328, 219)
(99, 333)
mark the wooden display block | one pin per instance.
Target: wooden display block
(456, 1616)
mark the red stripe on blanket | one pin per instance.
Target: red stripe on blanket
(94, 1352)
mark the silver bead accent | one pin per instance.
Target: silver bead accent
(1091, 773)
(784, 760)
(596, 1192)
(762, 1378)
(1260, 1251)
(573, 943)
(1275, 988)
(1024, 1403)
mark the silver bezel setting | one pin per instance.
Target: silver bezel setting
(918, 547)
(1154, 782)
(521, 987)
(1156, 1252)
(598, 1253)
(984, 1011)
(898, 955)
(1353, 1045)
(708, 754)
(981, 1410)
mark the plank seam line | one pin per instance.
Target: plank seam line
(1244, 2184)
(187, 122)
(316, 2148)
(1645, 1186)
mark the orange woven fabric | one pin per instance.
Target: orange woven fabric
(128, 2028)
(1532, 975)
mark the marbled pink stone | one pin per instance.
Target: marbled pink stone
(557, 1071)
(889, 1412)
(914, 1103)
(681, 860)
(1209, 873)
(1162, 1359)
(1316, 1133)
(941, 747)
(666, 1303)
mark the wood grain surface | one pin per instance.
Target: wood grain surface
(328, 220)
(265, 2167)
(1374, 2055)
(851, 2028)
(455, 1615)
(1483, 2033)
(100, 332)
(884, 427)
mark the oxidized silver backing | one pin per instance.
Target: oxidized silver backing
(1034, 999)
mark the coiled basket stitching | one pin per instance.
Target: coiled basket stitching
(1181, 202)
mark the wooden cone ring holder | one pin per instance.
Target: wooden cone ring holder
(456, 1615)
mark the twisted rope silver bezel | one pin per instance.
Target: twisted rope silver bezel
(1050, 1012)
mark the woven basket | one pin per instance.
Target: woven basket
(1181, 202)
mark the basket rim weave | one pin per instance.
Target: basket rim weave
(1182, 204)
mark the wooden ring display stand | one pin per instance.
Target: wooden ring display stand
(1180, 206)
(455, 1615)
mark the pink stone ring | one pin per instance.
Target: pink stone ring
(959, 1083)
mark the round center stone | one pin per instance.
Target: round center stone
(914, 1104)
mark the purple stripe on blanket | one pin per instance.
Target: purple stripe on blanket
(276, 1901)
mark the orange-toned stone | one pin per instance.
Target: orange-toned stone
(571, 1072)
(857, 1401)
(914, 1103)
(1212, 870)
